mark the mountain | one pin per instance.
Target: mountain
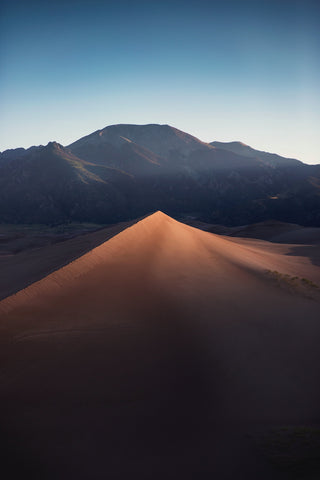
(159, 146)
(164, 349)
(50, 184)
(160, 139)
(245, 150)
(125, 171)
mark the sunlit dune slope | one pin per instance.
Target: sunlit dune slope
(161, 254)
(19, 270)
(160, 347)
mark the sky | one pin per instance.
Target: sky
(227, 70)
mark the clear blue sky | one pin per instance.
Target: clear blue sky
(227, 70)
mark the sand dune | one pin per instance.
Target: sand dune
(153, 355)
(19, 270)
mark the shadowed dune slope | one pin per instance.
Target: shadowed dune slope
(153, 355)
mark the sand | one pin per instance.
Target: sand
(19, 270)
(155, 354)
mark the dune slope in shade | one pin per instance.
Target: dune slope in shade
(153, 355)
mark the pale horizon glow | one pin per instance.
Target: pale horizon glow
(248, 72)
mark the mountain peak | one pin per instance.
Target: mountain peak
(54, 146)
(162, 140)
(237, 142)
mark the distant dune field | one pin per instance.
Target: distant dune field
(160, 354)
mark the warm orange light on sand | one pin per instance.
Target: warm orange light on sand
(159, 348)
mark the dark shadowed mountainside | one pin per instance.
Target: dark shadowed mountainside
(125, 171)
(50, 184)
(271, 159)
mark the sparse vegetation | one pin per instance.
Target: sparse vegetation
(295, 284)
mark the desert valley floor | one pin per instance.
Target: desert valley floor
(161, 351)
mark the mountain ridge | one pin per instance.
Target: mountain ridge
(125, 171)
(247, 150)
(233, 145)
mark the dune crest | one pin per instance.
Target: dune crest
(160, 249)
(163, 346)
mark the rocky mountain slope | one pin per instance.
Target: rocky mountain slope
(124, 171)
